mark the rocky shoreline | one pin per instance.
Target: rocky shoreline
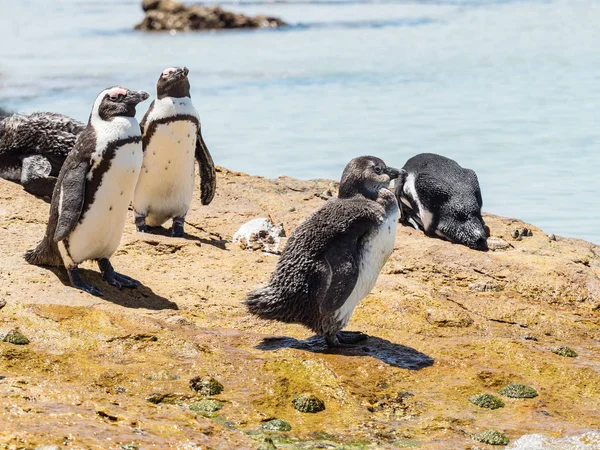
(466, 346)
(171, 15)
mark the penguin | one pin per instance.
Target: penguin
(34, 147)
(171, 140)
(93, 191)
(443, 199)
(333, 258)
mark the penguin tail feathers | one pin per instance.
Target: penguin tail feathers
(45, 254)
(265, 303)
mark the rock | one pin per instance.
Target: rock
(207, 386)
(260, 234)
(129, 446)
(308, 403)
(276, 425)
(496, 243)
(207, 406)
(485, 286)
(170, 15)
(564, 351)
(491, 437)
(16, 337)
(552, 237)
(518, 390)
(2, 303)
(486, 401)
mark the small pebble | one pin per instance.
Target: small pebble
(208, 386)
(16, 337)
(308, 403)
(552, 237)
(564, 351)
(518, 390)
(2, 303)
(276, 425)
(491, 437)
(515, 234)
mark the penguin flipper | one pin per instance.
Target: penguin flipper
(208, 174)
(340, 267)
(71, 196)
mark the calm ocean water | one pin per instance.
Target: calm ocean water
(508, 88)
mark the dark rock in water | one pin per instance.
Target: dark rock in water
(168, 15)
(276, 425)
(564, 351)
(206, 406)
(208, 386)
(486, 401)
(491, 437)
(518, 390)
(16, 337)
(308, 403)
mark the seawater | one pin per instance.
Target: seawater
(509, 88)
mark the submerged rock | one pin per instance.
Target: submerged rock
(276, 425)
(308, 403)
(207, 406)
(170, 15)
(207, 386)
(16, 337)
(491, 437)
(518, 390)
(486, 401)
(564, 351)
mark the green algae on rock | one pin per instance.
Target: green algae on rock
(208, 386)
(267, 444)
(308, 403)
(129, 446)
(276, 425)
(491, 437)
(486, 401)
(518, 390)
(564, 351)
(207, 405)
(16, 337)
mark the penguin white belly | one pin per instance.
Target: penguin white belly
(377, 250)
(166, 184)
(99, 231)
(410, 190)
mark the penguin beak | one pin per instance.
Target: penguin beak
(391, 172)
(135, 97)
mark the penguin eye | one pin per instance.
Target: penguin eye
(377, 170)
(116, 98)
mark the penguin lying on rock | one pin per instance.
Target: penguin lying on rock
(333, 258)
(34, 147)
(93, 191)
(442, 199)
(171, 140)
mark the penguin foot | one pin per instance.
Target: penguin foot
(177, 231)
(142, 228)
(351, 337)
(334, 341)
(113, 278)
(78, 283)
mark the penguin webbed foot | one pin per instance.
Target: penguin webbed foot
(115, 279)
(346, 339)
(177, 227)
(142, 228)
(78, 283)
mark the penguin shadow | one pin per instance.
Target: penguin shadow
(214, 239)
(395, 355)
(140, 297)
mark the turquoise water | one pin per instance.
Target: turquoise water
(508, 88)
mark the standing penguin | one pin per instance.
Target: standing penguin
(34, 147)
(93, 191)
(333, 258)
(443, 199)
(171, 141)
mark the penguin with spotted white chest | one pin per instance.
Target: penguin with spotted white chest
(93, 192)
(171, 141)
(333, 258)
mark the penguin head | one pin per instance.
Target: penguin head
(366, 175)
(462, 223)
(173, 82)
(117, 101)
